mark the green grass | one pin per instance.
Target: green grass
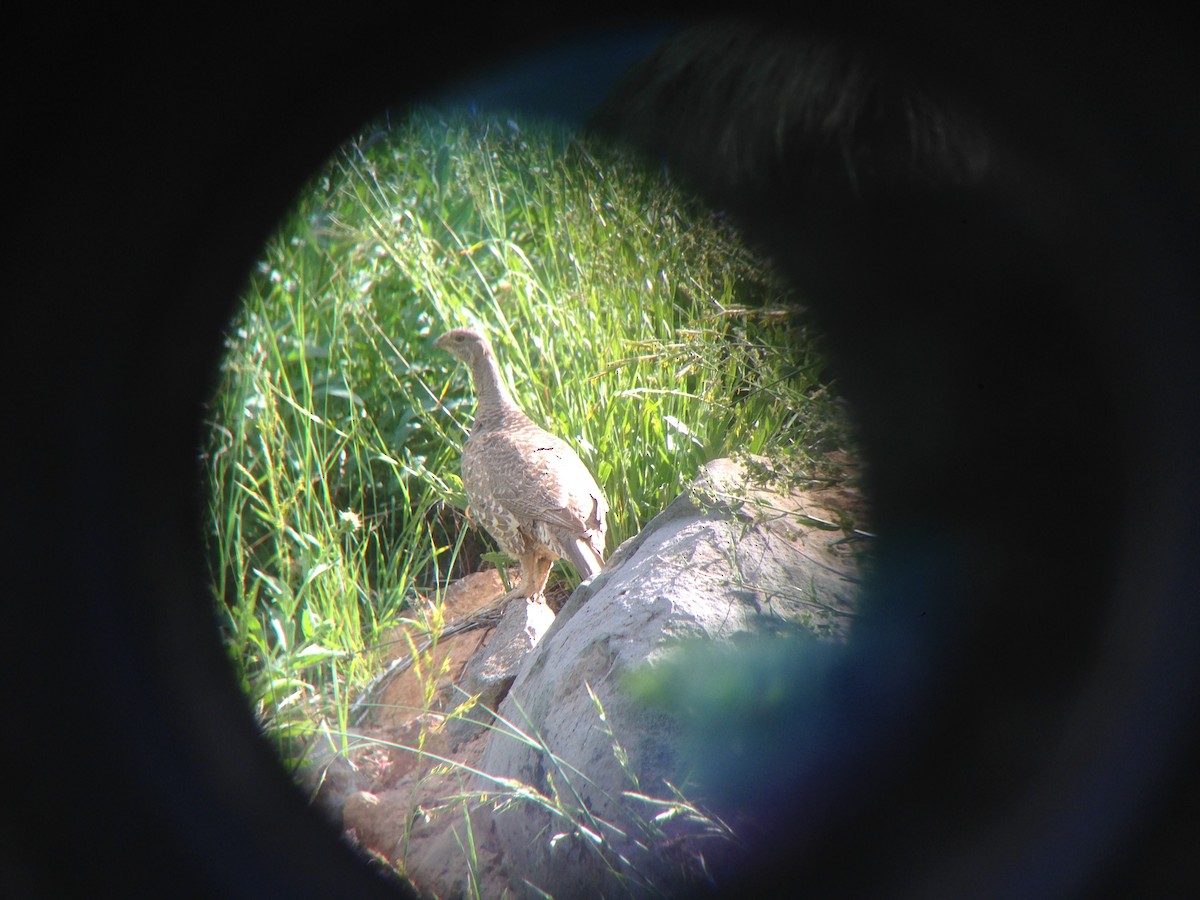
(627, 318)
(639, 825)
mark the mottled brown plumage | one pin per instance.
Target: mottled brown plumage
(525, 486)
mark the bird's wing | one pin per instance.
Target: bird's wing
(534, 476)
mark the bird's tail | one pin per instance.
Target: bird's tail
(584, 558)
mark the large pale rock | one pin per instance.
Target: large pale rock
(734, 555)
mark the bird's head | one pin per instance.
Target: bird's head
(464, 343)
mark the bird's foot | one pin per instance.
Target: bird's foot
(507, 598)
(517, 594)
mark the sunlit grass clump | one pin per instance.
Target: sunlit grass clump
(627, 318)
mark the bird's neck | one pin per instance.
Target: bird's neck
(492, 400)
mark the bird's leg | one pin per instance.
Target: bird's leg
(535, 572)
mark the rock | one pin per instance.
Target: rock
(404, 696)
(491, 670)
(418, 824)
(328, 775)
(368, 760)
(365, 818)
(741, 551)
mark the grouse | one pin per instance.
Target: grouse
(525, 486)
